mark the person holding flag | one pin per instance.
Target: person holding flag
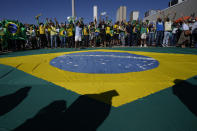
(13, 33)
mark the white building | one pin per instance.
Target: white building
(151, 12)
(73, 8)
(134, 15)
(95, 13)
(174, 2)
(121, 14)
(185, 8)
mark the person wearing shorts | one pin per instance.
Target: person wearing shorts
(78, 34)
(143, 35)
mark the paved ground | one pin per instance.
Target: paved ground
(30, 101)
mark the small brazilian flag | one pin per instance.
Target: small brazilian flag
(14, 30)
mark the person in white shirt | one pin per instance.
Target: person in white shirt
(185, 26)
(174, 34)
(167, 33)
(78, 34)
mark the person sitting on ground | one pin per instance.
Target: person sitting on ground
(185, 35)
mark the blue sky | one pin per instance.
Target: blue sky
(26, 10)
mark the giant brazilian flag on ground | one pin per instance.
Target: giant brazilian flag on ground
(118, 89)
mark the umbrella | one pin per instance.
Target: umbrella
(182, 19)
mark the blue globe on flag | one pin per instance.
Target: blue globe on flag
(104, 62)
(12, 28)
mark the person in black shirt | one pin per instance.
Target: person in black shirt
(129, 33)
(102, 27)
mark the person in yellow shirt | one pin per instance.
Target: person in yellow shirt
(116, 33)
(108, 35)
(86, 36)
(42, 33)
(53, 34)
(70, 36)
(43, 38)
(48, 30)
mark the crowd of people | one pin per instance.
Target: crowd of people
(164, 32)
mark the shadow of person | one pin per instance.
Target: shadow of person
(46, 119)
(86, 114)
(9, 102)
(89, 111)
(187, 93)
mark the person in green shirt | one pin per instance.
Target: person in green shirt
(62, 35)
(3, 37)
(112, 36)
(70, 35)
(92, 34)
(143, 33)
(22, 37)
(97, 37)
